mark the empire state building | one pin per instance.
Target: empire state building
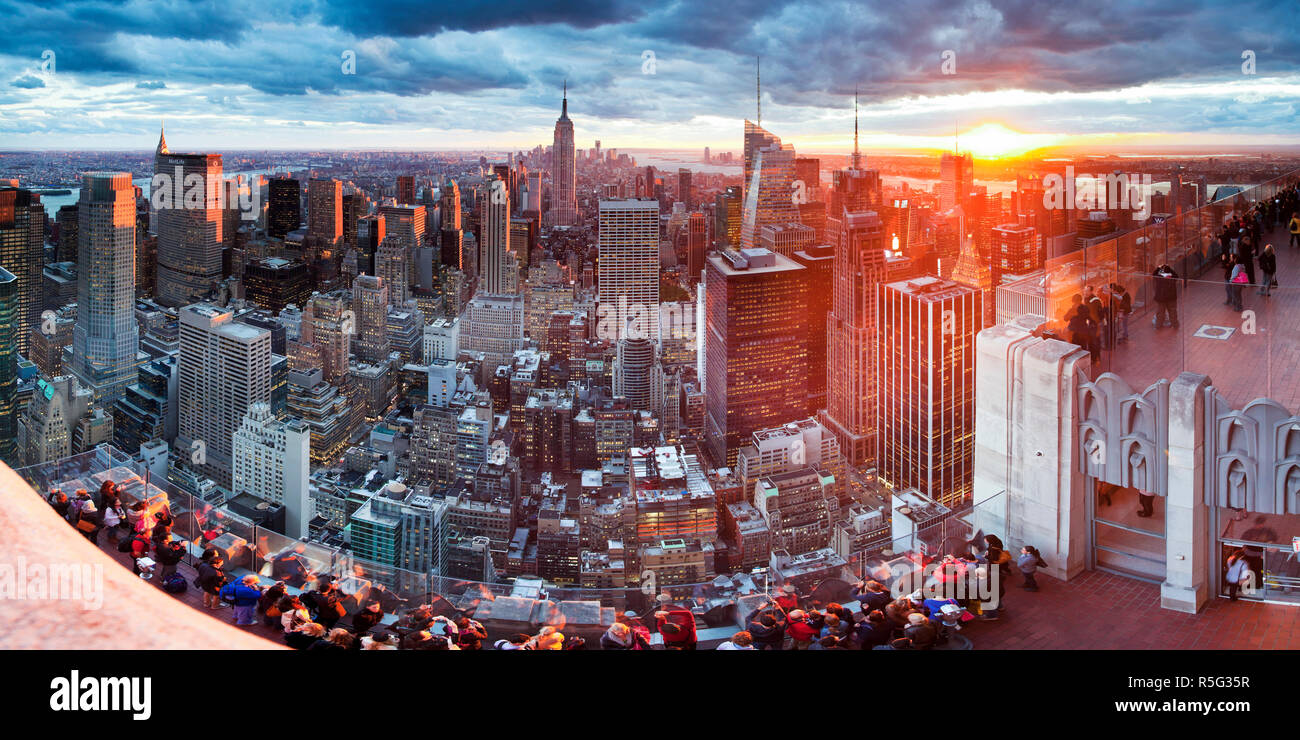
(564, 203)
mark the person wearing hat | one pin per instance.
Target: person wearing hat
(788, 599)
(89, 521)
(801, 633)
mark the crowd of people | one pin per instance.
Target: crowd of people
(321, 616)
(1098, 318)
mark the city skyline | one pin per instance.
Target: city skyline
(394, 78)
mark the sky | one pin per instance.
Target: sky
(323, 74)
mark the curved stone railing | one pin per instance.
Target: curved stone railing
(100, 604)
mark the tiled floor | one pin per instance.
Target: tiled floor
(1099, 611)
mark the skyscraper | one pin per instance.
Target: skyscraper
(684, 194)
(498, 268)
(325, 211)
(450, 238)
(189, 222)
(370, 307)
(406, 189)
(106, 339)
(22, 245)
(851, 333)
(393, 267)
(726, 218)
(770, 194)
(956, 177)
(564, 183)
(271, 460)
(633, 372)
(224, 367)
(629, 269)
(756, 354)
(756, 138)
(284, 209)
(927, 387)
(8, 368)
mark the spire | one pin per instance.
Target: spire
(758, 88)
(162, 140)
(857, 158)
(564, 111)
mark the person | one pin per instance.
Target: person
(1029, 562)
(328, 607)
(1121, 305)
(1165, 294)
(1147, 501)
(788, 599)
(269, 605)
(1083, 331)
(114, 516)
(801, 633)
(1268, 266)
(168, 554)
(549, 638)
(619, 636)
(739, 641)
(293, 613)
(380, 640)
(338, 640)
(874, 630)
(370, 615)
(140, 545)
(470, 634)
(1238, 573)
(871, 595)
(519, 642)
(59, 500)
(244, 594)
(677, 626)
(89, 521)
(210, 578)
(1227, 261)
(1294, 226)
(763, 627)
(920, 631)
(1235, 284)
(1097, 311)
(1246, 256)
(304, 636)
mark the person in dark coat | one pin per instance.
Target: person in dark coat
(874, 630)
(767, 631)
(1268, 266)
(1165, 294)
(211, 578)
(871, 594)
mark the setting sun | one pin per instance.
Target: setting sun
(996, 140)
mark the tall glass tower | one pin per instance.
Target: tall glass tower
(106, 338)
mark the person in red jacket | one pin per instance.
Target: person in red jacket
(677, 625)
(788, 599)
(797, 627)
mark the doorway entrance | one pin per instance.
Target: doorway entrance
(1128, 532)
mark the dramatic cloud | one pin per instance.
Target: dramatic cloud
(415, 73)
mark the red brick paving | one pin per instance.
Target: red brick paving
(1100, 611)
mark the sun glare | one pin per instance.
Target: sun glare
(995, 140)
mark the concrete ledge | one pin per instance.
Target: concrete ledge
(130, 613)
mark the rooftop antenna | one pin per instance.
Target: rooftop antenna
(758, 87)
(857, 158)
(565, 98)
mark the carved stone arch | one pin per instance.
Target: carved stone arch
(1093, 459)
(1137, 469)
(1287, 486)
(1235, 482)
